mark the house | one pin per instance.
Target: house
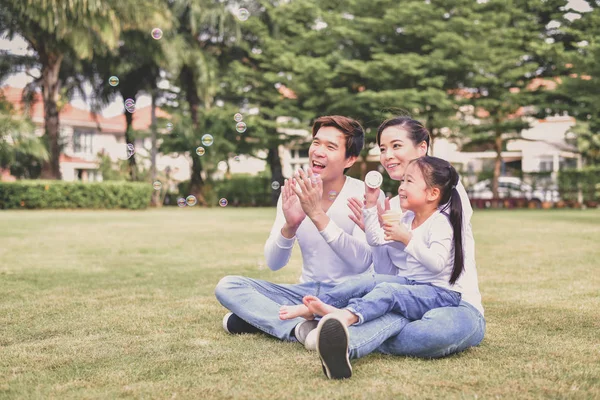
(85, 134)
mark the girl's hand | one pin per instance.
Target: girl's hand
(396, 232)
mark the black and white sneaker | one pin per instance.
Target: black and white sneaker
(235, 325)
(332, 346)
(302, 330)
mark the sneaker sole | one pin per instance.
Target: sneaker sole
(225, 319)
(332, 346)
(302, 330)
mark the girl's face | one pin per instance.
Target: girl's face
(413, 191)
(397, 150)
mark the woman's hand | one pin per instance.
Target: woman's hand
(356, 206)
(371, 196)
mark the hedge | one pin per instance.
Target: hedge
(587, 179)
(39, 194)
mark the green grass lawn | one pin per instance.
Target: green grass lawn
(119, 304)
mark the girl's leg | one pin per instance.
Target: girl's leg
(410, 301)
(339, 295)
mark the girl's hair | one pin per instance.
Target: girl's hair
(417, 133)
(442, 175)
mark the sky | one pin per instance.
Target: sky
(19, 46)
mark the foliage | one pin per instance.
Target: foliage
(56, 194)
(587, 180)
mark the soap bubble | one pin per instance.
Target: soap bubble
(191, 200)
(181, 202)
(332, 195)
(113, 81)
(275, 185)
(157, 185)
(243, 14)
(240, 127)
(200, 150)
(238, 117)
(129, 102)
(237, 158)
(207, 139)
(157, 33)
(223, 202)
(130, 150)
(169, 127)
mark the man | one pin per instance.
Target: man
(313, 209)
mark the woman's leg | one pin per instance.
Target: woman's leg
(410, 301)
(441, 332)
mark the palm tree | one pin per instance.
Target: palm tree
(56, 29)
(198, 55)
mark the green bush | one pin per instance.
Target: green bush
(40, 194)
(245, 191)
(587, 179)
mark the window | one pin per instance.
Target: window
(82, 142)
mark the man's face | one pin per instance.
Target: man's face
(327, 154)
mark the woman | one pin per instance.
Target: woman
(441, 331)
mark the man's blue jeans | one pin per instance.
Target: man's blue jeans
(257, 302)
(374, 298)
(441, 332)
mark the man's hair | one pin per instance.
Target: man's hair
(352, 130)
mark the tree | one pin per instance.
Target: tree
(78, 28)
(20, 149)
(578, 91)
(508, 54)
(203, 35)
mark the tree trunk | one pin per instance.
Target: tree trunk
(50, 85)
(156, 194)
(131, 163)
(276, 172)
(191, 95)
(497, 163)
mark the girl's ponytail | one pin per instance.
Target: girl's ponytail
(456, 220)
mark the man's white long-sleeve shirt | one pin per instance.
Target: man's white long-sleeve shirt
(330, 256)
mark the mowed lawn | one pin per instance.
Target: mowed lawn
(120, 304)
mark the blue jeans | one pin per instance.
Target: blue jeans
(440, 331)
(397, 294)
(257, 302)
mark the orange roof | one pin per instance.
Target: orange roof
(73, 116)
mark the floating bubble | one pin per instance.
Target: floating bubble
(240, 127)
(207, 139)
(130, 110)
(315, 179)
(157, 33)
(129, 102)
(157, 185)
(237, 158)
(191, 200)
(275, 185)
(130, 150)
(113, 81)
(169, 127)
(181, 202)
(238, 117)
(223, 202)
(243, 14)
(200, 150)
(332, 195)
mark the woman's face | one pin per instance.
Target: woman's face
(397, 150)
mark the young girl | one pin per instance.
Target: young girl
(426, 248)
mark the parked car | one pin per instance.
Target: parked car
(512, 187)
